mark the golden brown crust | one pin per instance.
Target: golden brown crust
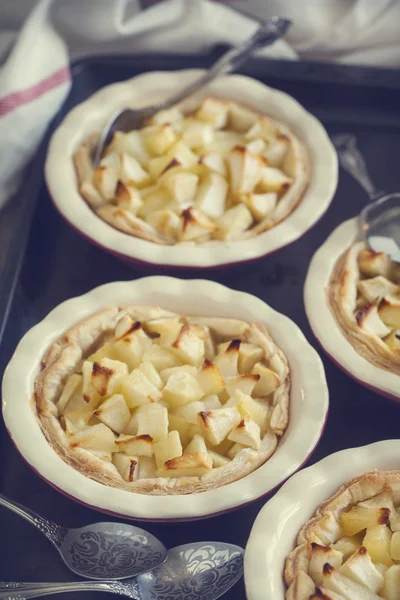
(342, 294)
(324, 527)
(66, 355)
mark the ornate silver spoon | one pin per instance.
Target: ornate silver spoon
(128, 119)
(101, 550)
(200, 570)
(380, 219)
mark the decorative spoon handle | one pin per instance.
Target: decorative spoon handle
(55, 533)
(353, 162)
(270, 30)
(24, 591)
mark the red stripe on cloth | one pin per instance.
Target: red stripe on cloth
(17, 99)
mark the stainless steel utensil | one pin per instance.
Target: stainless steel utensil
(380, 219)
(204, 570)
(128, 119)
(101, 550)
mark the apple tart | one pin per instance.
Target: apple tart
(350, 549)
(146, 400)
(364, 295)
(218, 173)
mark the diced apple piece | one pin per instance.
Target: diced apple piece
(135, 445)
(319, 556)
(214, 111)
(181, 388)
(256, 146)
(188, 465)
(169, 115)
(235, 449)
(247, 433)
(245, 169)
(217, 459)
(124, 326)
(152, 419)
(182, 186)
(223, 143)
(273, 180)
(372, 264)
(189, 347)
(162, 358)
(277, 151)
(217, 424)
(258, 411)
(376, 287)
(349, 589)
(151, 373)
(235, 221)
(128, 197)
(131, 143)
(190, 412)
(166, 328)
(393, 341)
(195, 225)
(197, 133)
(215, 162)
(147, 467)
(159, 199)
(377, 541)
(160, 165)
(71, 387)
(395, 546)
(127, 466)
(107, 375)
(166, 222)
(204, 333)
(211, 401)
(211, 195)
(360, 568)
(168, 448)
(159, 138)
(177, 423)
(138, 389)
(348, 545)
(369, 319)
(196, 445)
(227, 359)
(182, 155)
(263, 128)
(224, 447)
(244, 383)
(240, 117)
(76, 420)
(106, 179)
(107, 350)
(114, 413)
(210, 378)
(322, 593)
(97, 437)
(260, 205)
(359, 518)
(268, 382)
(131, 347)
(392, 583)
(166, 373)
(132, 173)
(389, 312)
(249, 355)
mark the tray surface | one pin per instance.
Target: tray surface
(59, 264)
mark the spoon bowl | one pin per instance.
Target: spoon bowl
(203, 570)
(100, 550)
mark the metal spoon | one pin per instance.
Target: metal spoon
(101, 550)
(127, 120)
(200, 570)
(379, 220)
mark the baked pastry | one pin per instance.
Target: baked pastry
(215, 173)
(364, 295)
(350, 549)
(146, 400)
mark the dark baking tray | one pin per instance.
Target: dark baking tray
(59, 264)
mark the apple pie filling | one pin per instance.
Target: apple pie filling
(350, 550)
(142, 398)
(219, 173)
(364, 295)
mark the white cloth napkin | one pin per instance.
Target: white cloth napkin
(35, 77)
